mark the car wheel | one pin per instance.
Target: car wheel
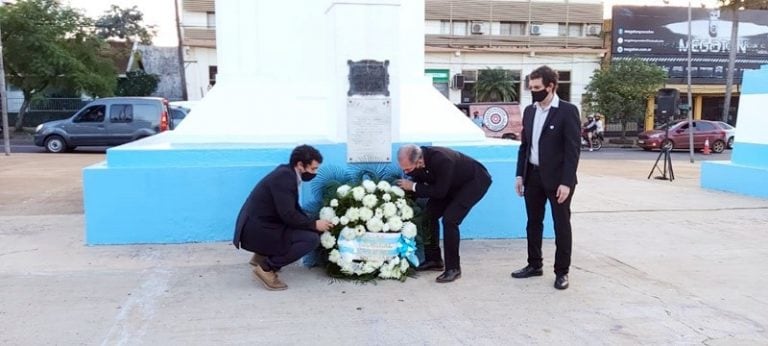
(730, 143)
(55, 144)
(718, 147)
(668, 144)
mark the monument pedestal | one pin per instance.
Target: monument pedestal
(747, 172)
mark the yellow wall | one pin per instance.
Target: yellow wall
(649, 113)
(697, 107)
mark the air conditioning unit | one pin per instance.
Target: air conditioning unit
(535, 29)
(470, 76)
(458, 81)
(593, 30)
(478, 28)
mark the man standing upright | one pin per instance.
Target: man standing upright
(546, 171)
(271, 223)
(453, 184)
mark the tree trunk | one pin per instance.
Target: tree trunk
(623, 128)
(22, 111)
(731, 63)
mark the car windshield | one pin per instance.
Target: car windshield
(671, 125)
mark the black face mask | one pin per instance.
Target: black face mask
(306, 176)
(540, 95)
(418, 174)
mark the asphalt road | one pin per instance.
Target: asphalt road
(26, 148)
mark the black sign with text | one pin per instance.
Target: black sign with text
(660, 35)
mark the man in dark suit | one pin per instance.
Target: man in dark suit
(453, 184)
(546, 171)
(271, 223)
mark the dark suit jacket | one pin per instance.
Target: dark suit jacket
(270, 213)
(447, 171)
(559, 145)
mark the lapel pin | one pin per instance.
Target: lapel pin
(551, 127)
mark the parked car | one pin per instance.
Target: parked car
(105, 122)
(679, 136)
(179, 110)
(730, 133)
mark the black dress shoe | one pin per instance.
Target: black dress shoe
(430, 265)
(449, 276)
(527, 272)
(561, 282)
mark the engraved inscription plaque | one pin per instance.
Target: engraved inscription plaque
(369, 126)
(368, 77)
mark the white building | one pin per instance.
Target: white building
(198, 25)
(465, 37)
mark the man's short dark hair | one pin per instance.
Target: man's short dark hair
(546, 74)
(305, 154)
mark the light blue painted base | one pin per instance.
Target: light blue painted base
(149, 192)
(732, 177)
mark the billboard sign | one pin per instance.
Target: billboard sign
(660, 35)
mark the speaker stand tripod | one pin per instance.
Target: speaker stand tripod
(666, 170)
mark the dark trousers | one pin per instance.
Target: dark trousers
(452, 209)
(302, 242)
(536, 197)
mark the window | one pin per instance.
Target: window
(572, 30)
(212, 71)
(445, 27)
(459, 28)
(147, 112)
(512, 29)
(210, 18)
(93, 114)
(121, 113)
(564, 85)
(703, 126)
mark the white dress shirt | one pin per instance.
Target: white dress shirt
(538, 125)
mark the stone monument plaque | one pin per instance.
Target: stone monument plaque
(369, 129)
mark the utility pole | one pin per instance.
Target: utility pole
(4, 100)
(182, 68)
(690, 96)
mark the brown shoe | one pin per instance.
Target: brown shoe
(257, 260)
(270, 279)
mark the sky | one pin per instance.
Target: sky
(160, 12)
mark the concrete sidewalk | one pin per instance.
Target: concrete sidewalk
(654, 262)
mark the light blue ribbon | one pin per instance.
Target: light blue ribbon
(407, 250)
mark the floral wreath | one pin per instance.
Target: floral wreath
(374, 232)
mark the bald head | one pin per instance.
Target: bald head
(409, 156)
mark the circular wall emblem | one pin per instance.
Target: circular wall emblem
(495, 119)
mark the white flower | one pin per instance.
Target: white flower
(370, 200)
(335, 221)
(395, 224)
(347, 267)
(374, 225)
(379, 213)
(397, 191)
(384, 186)
(327, 214)
(385, 228)
(358, 193)
(409, 230)
(360, 230)
(352, 214)
(369, 186)
(386, 197)
(348, 233)
(389, 209)
(334, 203)
(344, 220)
(404, 265)
(342, 191)
(334, 256)
(328, 240)
(406, 212)
(365, 214)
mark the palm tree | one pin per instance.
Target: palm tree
(495, 85)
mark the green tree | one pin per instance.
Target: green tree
(621, 90)
(49, 45)
(137, 83)
(734, 6)
(125, 24)
(495, 85)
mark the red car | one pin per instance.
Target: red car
(679, 138)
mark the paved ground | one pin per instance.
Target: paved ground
(655, 262)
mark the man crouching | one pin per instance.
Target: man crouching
(271, 223)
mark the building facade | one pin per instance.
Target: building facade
(465, 37)
(198, 28)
